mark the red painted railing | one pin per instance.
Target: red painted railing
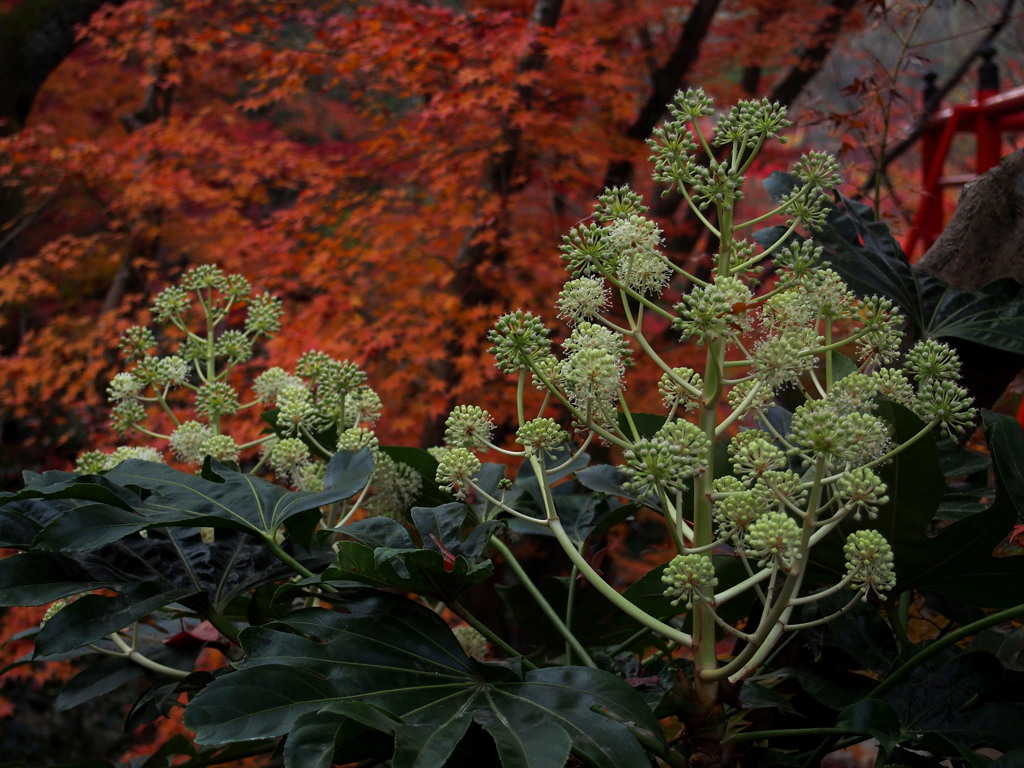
(991, 114)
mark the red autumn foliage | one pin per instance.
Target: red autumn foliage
(400, 173)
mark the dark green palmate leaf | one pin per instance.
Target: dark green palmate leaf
(394, 665)
(93, 617)
(235, 499)
(383, 553)
(949, 709)
(83, 531)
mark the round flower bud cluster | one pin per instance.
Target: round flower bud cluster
(683, 388)
(686, 578)
(468, 426)
(395, 487)
(639, 264)
(736, 508)
(357, 438)
(667, 461)
(585, 251)
(217, 398)
(939, 396)
(456, 469)
(714, 311)
(752, 454)
(188, 441)
(541, 435)
(223, 448)
(583, 298)
(749, 123)
(818, 429)
(869, 561)
(94, 462)
(860, 490)
(289, 458)
(519, 338)
(774, 536)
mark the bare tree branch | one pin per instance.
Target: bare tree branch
(937, 94)
(664, 84)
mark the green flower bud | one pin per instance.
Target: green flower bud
(288, 457)
(776, 488)
(233, 345)
(593, 379)
(295, 408)
(92, 463)
(749, 123)
(854, 394)
(363, 404)
(619, 203)
(126, 415)
(468, 426)
(357, 438)
(892, 384)
(204, 276)
(691, 105)
(688, 578)
(583, 299)
(456, 469)
(818, 169)
(752, 454)
(947, 402)
(223, 448)
(541, 435)
(774, 536)
(784, 358)
(124, 386)
(639, 265)
(585, 252)
(869, 558)
(860, 490)
(188, 441)
(668, 460)
(883, 328)
(172, 303)
(929, 359)
(519, 338)
(264, 316)
(216, 398)
(136, 342)
(268, 385)
(171, 371)
(682, 388)
(716, 183)
(736, 511)
(139, 452)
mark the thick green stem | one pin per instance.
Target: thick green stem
(271, 542)
(463, 613)
(542, 602)
(609, 592)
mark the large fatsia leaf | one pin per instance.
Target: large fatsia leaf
(381, 552)
(235, 499)
(390, 655)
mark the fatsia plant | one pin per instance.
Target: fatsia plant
(794, 478)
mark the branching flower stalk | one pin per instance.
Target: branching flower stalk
(783, 489)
